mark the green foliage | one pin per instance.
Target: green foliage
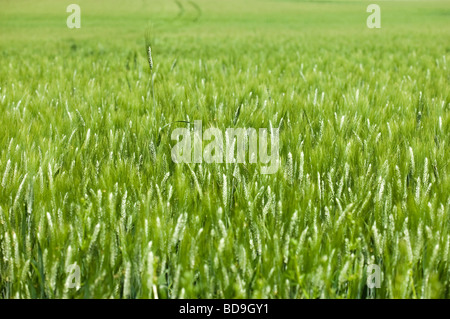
(86, 171)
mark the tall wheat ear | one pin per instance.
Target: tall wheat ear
(148, 48)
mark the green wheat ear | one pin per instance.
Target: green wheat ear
(150, 63)
(150, 60)
(149, 49)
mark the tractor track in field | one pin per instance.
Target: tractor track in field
(182, 10)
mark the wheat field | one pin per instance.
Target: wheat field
(87, 176)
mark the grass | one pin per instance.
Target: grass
(87, 177)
